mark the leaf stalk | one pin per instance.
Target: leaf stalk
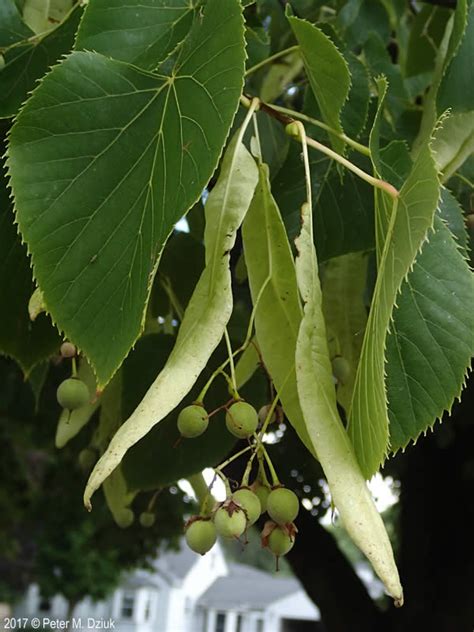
(272, 58)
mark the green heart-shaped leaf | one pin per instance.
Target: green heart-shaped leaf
(104, 159)
(139, 32)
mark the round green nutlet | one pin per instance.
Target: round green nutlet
(72, 394)
(341, 369)
(282, 505)
(147, 519)
(230, 522)
(293, 130)
(193, 421)
(241, 420)
(125, 518)
(87, 458)
(67, 350)
(250, 503)
(262, 491)
(280, 542)
(201, 535)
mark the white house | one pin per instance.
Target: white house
(188, 593)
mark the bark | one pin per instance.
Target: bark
(70, 611)
(436, 527)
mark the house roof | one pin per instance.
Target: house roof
(139, 579)
(246, 587)
(176, 563)
(170, 565)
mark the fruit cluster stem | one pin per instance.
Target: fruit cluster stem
(203, 495)
(362, 149)
(275, 479)
(281, 116)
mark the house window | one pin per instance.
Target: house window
(148, 609)
(128, 604)
(238, 624)
(259, 625)
(220, 622)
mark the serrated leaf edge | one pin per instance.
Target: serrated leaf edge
(152, 274)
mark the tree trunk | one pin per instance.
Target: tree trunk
(437, 526)
(330, 580)
(70, 611)
(436, 557)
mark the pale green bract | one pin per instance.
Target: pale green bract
(454, 143)
(318, 402)
(278, 314)
(205, 318)
(104, 159)
(116, 494)
(35, 15)
(248, 363)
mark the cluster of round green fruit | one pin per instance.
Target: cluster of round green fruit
(241, 510)
(72, 393)
(241, 420)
